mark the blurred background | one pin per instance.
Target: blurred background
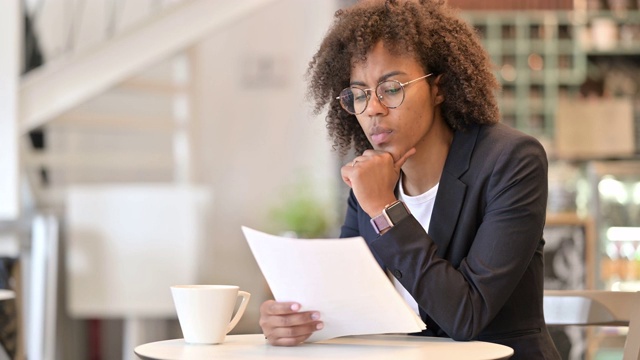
(137, 136)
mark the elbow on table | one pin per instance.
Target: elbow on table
(458, 337)
(464, 333)
(462, 337)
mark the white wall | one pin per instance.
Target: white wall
(257, 131)
(10, 38)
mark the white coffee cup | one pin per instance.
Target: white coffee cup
(204, 311)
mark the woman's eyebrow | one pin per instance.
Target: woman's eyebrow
(381, 79)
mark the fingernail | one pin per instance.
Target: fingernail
(295, 307)
(319, 326)
(315, 316)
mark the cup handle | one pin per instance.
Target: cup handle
(243, 305)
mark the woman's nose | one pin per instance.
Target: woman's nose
(375, 106)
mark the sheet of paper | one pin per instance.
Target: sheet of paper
(340, 278)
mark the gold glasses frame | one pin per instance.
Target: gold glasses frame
(368, 92)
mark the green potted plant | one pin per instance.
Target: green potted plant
(302, 214)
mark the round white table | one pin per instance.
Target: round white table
(366, 347)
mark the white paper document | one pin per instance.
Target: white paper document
(340, 278)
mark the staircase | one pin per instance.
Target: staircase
(113, 102)
(135, 131)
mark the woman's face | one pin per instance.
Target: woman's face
(409, 125)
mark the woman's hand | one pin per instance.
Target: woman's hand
(373, 177)
(283, 324)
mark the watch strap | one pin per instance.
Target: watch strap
(391, 215)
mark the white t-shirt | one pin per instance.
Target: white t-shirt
(421, 207)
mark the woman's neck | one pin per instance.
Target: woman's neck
(422, 171)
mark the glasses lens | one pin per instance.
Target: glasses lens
(353, 100)
(390, 93)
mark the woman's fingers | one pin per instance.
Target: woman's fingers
(272, 307)
(398, 164)
(292, 335)
(283, 323)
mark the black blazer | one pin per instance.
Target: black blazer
(478, 272)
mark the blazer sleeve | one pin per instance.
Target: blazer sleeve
(350, 227)
(465, 298)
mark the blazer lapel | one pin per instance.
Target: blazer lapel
(452, 191)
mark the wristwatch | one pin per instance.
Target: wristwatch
(391, 215)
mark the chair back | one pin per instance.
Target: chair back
(597, 307)
(632, 344)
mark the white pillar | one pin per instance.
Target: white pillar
(42, 291)
(10, 57)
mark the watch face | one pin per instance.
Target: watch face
(397, 212)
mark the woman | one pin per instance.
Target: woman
(451, 203)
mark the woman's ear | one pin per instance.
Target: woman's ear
(437, 94)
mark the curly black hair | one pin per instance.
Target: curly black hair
(427, 29)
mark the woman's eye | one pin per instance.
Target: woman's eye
(392, 90)
(360, 98)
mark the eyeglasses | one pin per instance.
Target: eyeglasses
(390, 93)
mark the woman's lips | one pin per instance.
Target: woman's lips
(380, 136)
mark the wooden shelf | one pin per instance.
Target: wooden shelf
(550, 49)
(536, 54)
